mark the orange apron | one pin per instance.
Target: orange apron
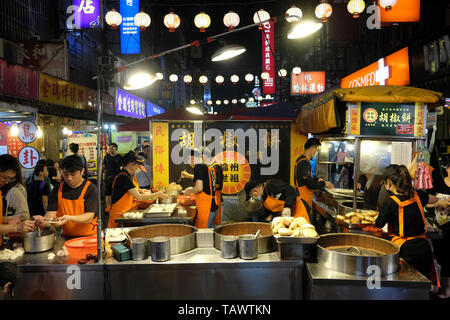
(75, 208)
(203, 203)
(1, 216)
(126, 203)
(303, 193)
(273, 205)
(401, 239)
(218, 218)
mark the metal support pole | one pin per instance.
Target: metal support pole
(356, 169)
(99, 166)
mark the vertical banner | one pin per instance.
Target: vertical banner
(419, 119)
(160, 154)
(268, 51)
(355, 119)
(88, 13)
(88, 146)
(130, 42)
(297, 148)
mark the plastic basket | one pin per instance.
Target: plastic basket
(79, 247)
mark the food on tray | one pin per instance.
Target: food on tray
(355, 219)
(293, 227)
(340, 217)
(350, 214)
(174, 187)
(363, 217)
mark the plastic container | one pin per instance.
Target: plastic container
(78, 248)
(186, 200)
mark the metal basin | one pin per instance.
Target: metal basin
(353, 254)
(182, 237)
(33, 242)
(266, 241)
(346, 207)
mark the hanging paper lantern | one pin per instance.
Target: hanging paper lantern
(219, 80)
(324, 10)
(231, 20)
(260, 98)
(159, 76)
(226, 102)
(297, 70)
(387, 4)
(172, 21)
(249, 77)
(293, 14)
(209, 102)
(355, 7)
(261, 16)
(203, 80)
(234, 79)
(113, 19)
(234, 101)
(242, 100)
(202, 21)
(142, 20)
(282, 73)
(187, 79)
(265, 75)
(173, 78)
(218, 102)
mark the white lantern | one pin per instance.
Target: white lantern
(202, 21)
(387, 4)
(226, 102)
(219, 80)
(173, 78)
(159, 76)
(261, 16)
(293, 14)
(260, 98)
(113, 19)
(172, 21)
(187, 79)
(142, 20)
(218, 102)
(234, 101)
(242, 100)
(203, 80)
(249, 77)
(251, 99)
(192, 101)
(231, 20)
(355, 7)
(297, 70)
(324, 10)
(265, 75)
(234, 79)
(282, 73)
(209, 102)
(268, 97)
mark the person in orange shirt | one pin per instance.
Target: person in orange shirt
(9, 166)
(73, 203)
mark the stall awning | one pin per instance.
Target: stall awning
(323, 113)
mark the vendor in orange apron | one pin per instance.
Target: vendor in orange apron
(126, 191)
(204, 190)
(277, 195)
(73, 203)
(305, 183)
(219, 185)
(406, 219)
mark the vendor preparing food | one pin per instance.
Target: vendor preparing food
(403, 211)
(9, 166)
(305, 183)
(73, 205)
(126, 191)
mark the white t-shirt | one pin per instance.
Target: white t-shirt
(16, 199)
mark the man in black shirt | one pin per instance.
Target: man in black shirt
(111, 166)
(74, 148)
(38, 191)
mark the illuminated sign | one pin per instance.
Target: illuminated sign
(312, 82)
(129, 105)
(391, 70)
(268, 58)
(402, 11)
(130, 42)
(153, 109)
(86, 13)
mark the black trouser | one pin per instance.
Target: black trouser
(417, 253)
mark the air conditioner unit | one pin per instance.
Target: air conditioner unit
(12, 53)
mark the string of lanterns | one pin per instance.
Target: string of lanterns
(234, 100)
(231, 19)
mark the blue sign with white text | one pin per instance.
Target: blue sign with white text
(153, 109)
(129, 105)
(130, 42)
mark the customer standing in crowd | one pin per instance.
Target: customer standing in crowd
(143, 175)
(54, 173)
(9, 166)
(38, 191)
(16, 198)
(111, 165)
(403, 212)
(74, 148)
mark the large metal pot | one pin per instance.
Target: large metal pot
(182, 237)
(170, 200)
(354, 253)
(266, 241)
(39, 241)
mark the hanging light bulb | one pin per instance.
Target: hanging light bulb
(192, 101)
(297, 70)
(260, 16)
(113, 19)
(251, 99)
(142, 20)
(202, 21)
(234, 101)
(39, 132)
(265, 75)
(387, 4)
(187, 79)
(159, 76)
(231, 20)
(14, 130)
(242, 100)
(303, 29)
(260, 98)
(323, 10)
(209, 102)
(172, 21)
(218, 102)
(173, 78)
(293, 14)
(355, 7)
(219, 80)
(226, 102)
(249, 77)
(234, 79)
(203, 80)
(65, 131)
(282, 73)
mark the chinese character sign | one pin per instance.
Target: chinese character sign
(27, 131)
(153, 109)
(160, 147)
(129, 105)
(28, 157)
(88, 13)
(268, 58)
(60, 92)
(311, 82)
(88, 149)
(130, 42)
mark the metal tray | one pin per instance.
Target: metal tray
(158, 214)
(296, 240)
(354, 225)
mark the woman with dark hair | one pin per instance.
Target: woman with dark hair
(126, 191)
(403, 211)
(16, 198)
(38, 191)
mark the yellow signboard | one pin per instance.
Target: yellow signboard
(56, 91)
(297, 148)
(160, 154)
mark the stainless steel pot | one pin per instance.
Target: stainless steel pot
(354, 253)
(39, 241)
(229, 247)
(139, 249)
(182, 237)
(266, 241)
(169, 200)
(160, 248)
(248, 247)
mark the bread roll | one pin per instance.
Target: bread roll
(296, 233)
(276, 220)
(277, 227)
(293, 225)
(347, 220)
(309, 233)
(366, 222)
(360, 216)
(301, 221)
(340, 217)
(307, 226)
(287, 221)
(371, 219)
(373, 213)
(285, 232)
(355, 220)
(350, 214)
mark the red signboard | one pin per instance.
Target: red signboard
(268, 51)
(311, 82)
(18, 81)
